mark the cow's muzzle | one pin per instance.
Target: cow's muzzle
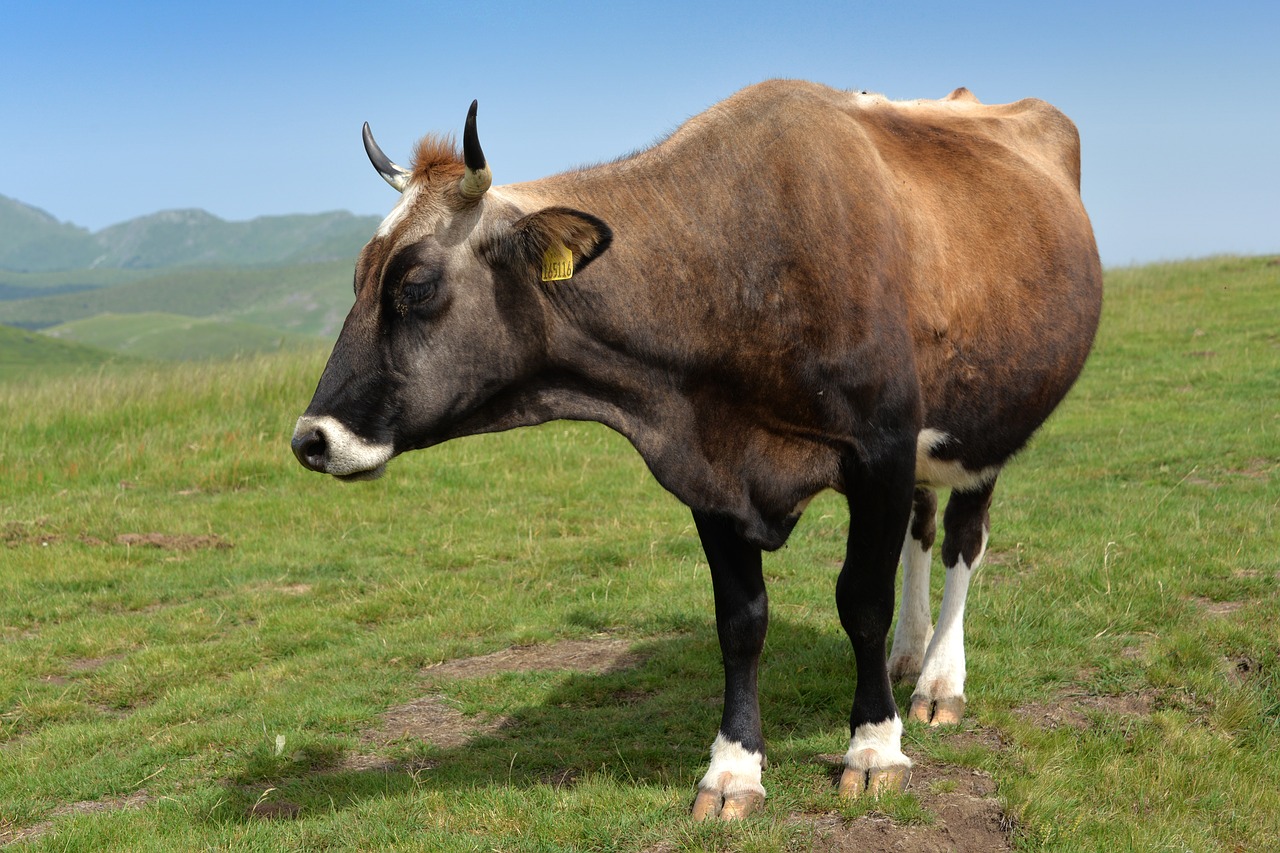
(325, 445)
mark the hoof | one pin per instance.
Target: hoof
(712, 804)
(940, 712)
(874, 781)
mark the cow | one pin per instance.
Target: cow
(799, 289)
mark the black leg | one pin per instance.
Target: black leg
(880, 500)
(731, 787)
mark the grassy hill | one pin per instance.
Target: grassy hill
(307, 299)
(32, 285)
(179, 238)
(156, 335)
(198, 286)
(26, 354)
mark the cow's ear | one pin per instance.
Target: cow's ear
(561, 241)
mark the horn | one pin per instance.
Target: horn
(390, 172)
(478, 177)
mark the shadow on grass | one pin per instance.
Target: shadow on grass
(648, 723)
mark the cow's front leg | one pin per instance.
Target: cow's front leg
(731, 788)
(880, 500)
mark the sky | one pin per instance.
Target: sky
(121, 109)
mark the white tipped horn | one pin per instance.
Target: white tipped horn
(395, 175)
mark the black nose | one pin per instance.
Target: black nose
(312, 449)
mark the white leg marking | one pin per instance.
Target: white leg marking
(348, 453)
(915, 625)
(877, 745)
(944, 671)
(734, 769)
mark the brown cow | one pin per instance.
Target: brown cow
(800, 289)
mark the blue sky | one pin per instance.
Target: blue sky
(115, 110)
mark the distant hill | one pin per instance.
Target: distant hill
(32, 240)
(308, 299)
(156, 335)
(28, 354)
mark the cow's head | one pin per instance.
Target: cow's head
(449, 327)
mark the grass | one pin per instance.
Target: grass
(1124, 663)
(26, 354)
(308, 299)
(157, 335)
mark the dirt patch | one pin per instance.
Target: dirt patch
(967, 816)
(1216, 608)
(39, 534)
(1258, 468)
(433, 718)
(170, 542)
(18, 533)
(1241, 669)
(1072, 711)
(10, 834)
(595, 657)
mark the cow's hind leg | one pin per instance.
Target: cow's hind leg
(880, 500)
(731, 788)
(915, 619)
(939, 694)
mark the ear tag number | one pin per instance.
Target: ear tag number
(557, 263)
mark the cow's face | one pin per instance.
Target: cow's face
(449, 323)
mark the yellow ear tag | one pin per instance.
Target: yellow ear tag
(557, 263)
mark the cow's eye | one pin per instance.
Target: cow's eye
(419, 286)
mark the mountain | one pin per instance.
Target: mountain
(32, 240)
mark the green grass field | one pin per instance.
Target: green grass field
(508, 642)
(28, 355)
(309, 299)
(157, 335)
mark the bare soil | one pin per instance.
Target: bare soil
(170, 542)
(967, 817)
(26, 534)
(10, 834)
(1072, 710)
(593, 656)
(434, 720)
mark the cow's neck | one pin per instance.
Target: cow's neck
(634, 345)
